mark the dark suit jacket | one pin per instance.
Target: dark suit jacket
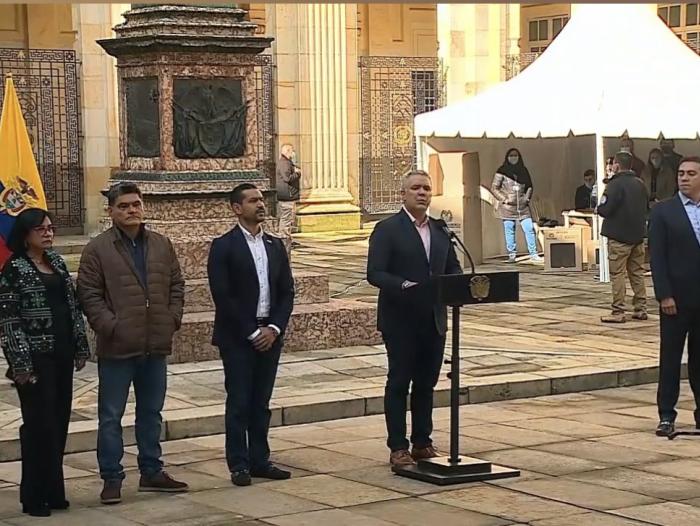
(234, 286)
(675, 254)
(396, 254)
(582, 199)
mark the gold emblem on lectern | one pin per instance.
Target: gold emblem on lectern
(479, 286)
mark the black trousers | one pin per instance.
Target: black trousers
(46, 408)
(415, 358)
(250, 378)
(674, 331)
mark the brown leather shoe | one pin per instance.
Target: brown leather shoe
(401, 458)
(111, 492)
(162, 482)
(614, 318)
(419, 453)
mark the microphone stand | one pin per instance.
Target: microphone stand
(457, 243)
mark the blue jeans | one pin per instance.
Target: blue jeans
(528, 230)
(149, 375)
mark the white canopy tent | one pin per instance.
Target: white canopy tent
(614, 69)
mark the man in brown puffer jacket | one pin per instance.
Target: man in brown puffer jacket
(132, 292)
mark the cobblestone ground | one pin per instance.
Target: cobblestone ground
(587, 459)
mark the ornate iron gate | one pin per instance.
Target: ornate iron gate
(392, 91)
(264, 71)
(47, 87)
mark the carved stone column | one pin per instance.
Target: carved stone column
(317, 98)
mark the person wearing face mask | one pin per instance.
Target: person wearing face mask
(584, 199)
(512, 186)
(624, 206)
(659, 177)
(627, 146)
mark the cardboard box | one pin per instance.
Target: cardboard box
(563, 249)
(591, 254)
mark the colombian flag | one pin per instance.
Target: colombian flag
(20, 184)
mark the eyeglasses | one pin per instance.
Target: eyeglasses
(50, 229)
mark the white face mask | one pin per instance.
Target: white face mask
(513, 159)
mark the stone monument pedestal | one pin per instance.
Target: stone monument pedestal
(195, 96)
(195, 92)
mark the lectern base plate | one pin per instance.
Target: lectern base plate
(442, 472)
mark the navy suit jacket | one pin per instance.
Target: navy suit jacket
(396, 254)
(675, 254)
(234, 286)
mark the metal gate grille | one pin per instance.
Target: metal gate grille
(47, 87)
(392, 91)
(264, 69)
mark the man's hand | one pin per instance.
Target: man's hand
(79, 363)
(668, 307)
(297, 170)
(24, 378)
(265, 339)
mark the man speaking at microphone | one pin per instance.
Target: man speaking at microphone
(405, 251)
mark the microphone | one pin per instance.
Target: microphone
(456, 242)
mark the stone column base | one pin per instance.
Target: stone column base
(327, 217)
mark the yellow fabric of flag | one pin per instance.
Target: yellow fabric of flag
(19, 176)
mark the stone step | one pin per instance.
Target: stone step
(309, 288)
(65, 245)
(292, 410)
(316, 326)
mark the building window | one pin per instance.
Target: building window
(558, 24)
(691, 15)
(539, 30)
(671, 14)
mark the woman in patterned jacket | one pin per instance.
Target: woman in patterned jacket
(42, 334)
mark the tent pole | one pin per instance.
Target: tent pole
(604, 269)
(421, 161)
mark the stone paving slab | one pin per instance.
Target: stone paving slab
(341, 476)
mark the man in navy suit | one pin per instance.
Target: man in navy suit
(405, 252)
(674, 240)
(251, 283)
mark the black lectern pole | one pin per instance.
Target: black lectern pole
(454, 388)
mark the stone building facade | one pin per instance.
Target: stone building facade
(348, 79)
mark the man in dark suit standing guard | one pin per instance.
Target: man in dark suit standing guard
(405, 251)
(674, 241)
(251, 283)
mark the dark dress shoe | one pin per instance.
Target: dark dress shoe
(271, 472)
(42, 510)
(665, 428)
(59, 505)
(241, 478)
